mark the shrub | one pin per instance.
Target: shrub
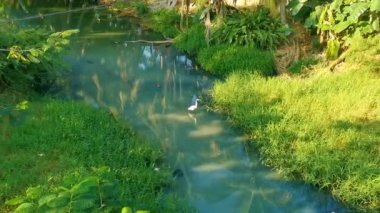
(166, 22)
(142, 8)
(221, 60)
(255, 29)
(30, 57)
(192, 40)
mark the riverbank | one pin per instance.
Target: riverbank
(315, 126)
(322, 128)
(55, 146)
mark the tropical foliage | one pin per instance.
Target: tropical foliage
(166, 22)
(338, 20)
(254, 29)
(29, 58)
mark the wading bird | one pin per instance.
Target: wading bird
(194, 104)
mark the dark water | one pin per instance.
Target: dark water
(152, 87)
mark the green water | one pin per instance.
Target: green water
(152, 86)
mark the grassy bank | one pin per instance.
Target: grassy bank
(323, 129)
(60, 147)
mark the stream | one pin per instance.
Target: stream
(151, 86)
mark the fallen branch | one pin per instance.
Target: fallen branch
(338, 61)
(152, 42)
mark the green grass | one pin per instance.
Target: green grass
(192, 40)
(222, 60)
(323, 129)
(165, 22)
(59, 143)
(305, 63)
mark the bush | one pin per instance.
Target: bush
(221, 60)
(166, 22)
(59, 145)
(192, 40)
(142, 8)
(255, 29)
(30, 57)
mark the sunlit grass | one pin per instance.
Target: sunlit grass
(323, 129)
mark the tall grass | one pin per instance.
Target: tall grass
(165, 22)
(323, 129)
(192, 40)
(59, 143)
(221, 60)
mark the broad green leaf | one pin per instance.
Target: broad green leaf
(68, 33)
(375, 5)
(26, 208)
(335, 5)
(341, 26)
(58, 202)
(35, 52)
(357, 9)
(82, 204)
(32, 192)
(126, 210)
(33, 59)
(375, 25)
(45, 199)
(23, 106)
(15, 201)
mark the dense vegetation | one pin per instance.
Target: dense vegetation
(322, 129)
(317, 126)
(53, 158)
(57, 151)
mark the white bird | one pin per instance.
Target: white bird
(194, 106)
